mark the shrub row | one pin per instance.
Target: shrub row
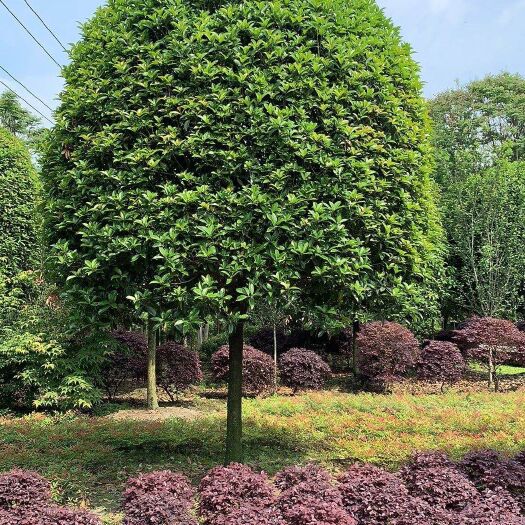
(483, 488)
(299, 369)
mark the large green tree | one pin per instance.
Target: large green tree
(479, 138)
(212, 154)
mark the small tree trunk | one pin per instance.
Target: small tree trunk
(234, 418)
(355, 329)
(205, 332)
(491, 368)
(153, 403)
(275, 355)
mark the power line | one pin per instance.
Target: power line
(45, 25)
(28, 103)
(29, 33)
(26, 88)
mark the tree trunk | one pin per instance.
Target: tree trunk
(355, 329)
(275, 355)
(234, 418)
(153, 403)
(491, 368)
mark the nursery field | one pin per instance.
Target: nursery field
(88, 459)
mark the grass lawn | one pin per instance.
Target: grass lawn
(88, 459)
(503, 370)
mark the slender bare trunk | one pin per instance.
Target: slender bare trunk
(153, 403)
(234, 417)
(275, 372)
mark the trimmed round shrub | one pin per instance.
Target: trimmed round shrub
(21, 489)
(251, 515)
(480, 335)
(6, 518)
(257, 369)
(442, 362)
(18, 196)
(263, 340)
(136, 357)
(178, 368)
(225, 489)
(372, 495)
(54, 515)
(162, 483)
(431, 478)
(488, 469)
(158, 508)
(385, 352)
(316, 511)
(493, 507)
(311, 474)
(302, 369)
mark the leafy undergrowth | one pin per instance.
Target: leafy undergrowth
(88, 459)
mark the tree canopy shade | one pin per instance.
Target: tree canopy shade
(209, 154)
(18, 194)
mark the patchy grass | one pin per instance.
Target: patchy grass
(503, 370)
(88, 459)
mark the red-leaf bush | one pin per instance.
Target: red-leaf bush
(302, 369)
(495, 507)
(315, 511)
(136, 345)
(433, 479)
(385, 352)
(257, 369)
(159, 508)
(440, 361)
(372, 495)
(21, 489)
(225, 489)
(481, 337)
(52, 515)
(251, 515)
(488, 469)
(292, 476)
(164, 482)
(178, 368)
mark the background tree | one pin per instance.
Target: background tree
(479, 138)
(18, 200)
(18, 120)
(209, 155)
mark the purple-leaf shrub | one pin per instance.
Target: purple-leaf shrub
(178, 368)
(136, 357)
(385, 351)
(257, 369)
(311, 473)
(251, 515)
(302, 369)
(158, 508)
(316, 511)
(164, 482)
(371, 495)
(53, 515)
(429, 477)
(440, 361)
(493, 507)
(225, 489)
(23, 489)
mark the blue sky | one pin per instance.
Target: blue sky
(453, 40)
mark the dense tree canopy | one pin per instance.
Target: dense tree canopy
(209, 154)
(18, 193)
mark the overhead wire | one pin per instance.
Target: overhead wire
(46, 26)
(26, 88)
(30, 34)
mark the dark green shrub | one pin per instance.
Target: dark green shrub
(18, 199)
